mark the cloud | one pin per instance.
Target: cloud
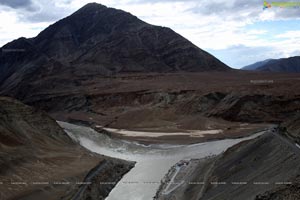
(48, 11)
(234, 9)
(289, 35)
(238, 56)
(11, 28)
(16, 3)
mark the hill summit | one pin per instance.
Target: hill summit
(96, 41)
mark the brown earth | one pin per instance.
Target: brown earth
(170, 102)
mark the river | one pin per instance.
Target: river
(152, 161)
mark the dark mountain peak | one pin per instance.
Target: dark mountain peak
(91, 8)
(97, 40)
(90, 24)
(96, 10)
(93, 5)
(119, 41)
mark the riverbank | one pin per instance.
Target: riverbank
(181, 177)
(99, 182)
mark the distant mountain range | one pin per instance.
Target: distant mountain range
(291, 65)
(256, 65)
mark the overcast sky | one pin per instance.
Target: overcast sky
(238, 32)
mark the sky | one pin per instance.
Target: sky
(238, 32)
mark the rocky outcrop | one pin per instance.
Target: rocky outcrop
(103, 179)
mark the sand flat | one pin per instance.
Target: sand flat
(192, 133)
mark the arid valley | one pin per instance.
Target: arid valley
(102, 105)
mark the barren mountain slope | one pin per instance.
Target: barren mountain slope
(266, 168)
(36, 155)
(96, 40)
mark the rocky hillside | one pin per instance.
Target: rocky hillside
(36, 154)
(16, 126)
(96, 40)
(266, 168)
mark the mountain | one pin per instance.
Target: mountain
(290, 65)
(256, 65)
(84, 69)
(34, 148)
(97, 40)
